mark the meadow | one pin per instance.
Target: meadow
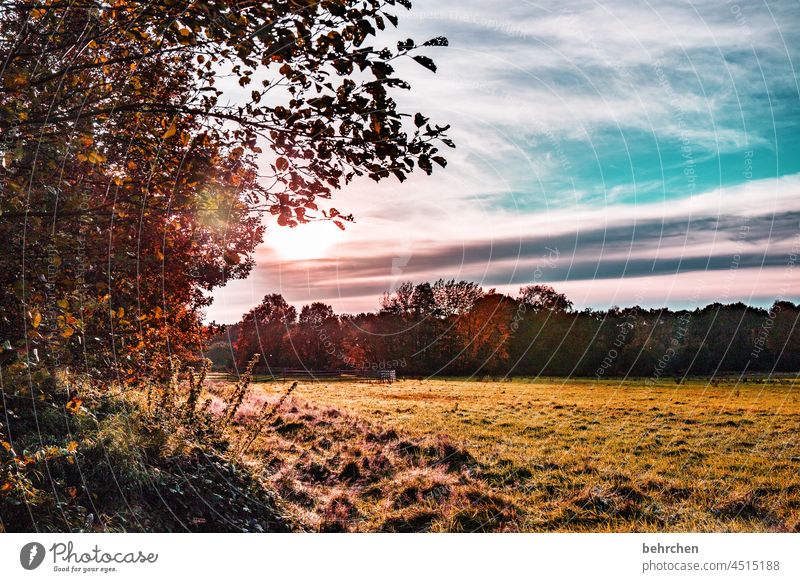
(526, 455)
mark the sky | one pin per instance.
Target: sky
(623, 152)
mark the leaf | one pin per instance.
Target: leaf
(72, 446)
(420, 120)
(425, 62)
(339, 224)
(438, 41)
(36, 319)
(170, 132)
(231, 258)
(96, 158)
(281, 164)
(73, 406)
(67, 333)
(406, 45)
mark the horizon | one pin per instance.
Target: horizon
(664, 172)
(677, 308)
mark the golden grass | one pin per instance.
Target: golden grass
(549, 455)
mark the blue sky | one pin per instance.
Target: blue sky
(624, 152)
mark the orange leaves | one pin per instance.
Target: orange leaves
(67, 322)
(170, 132)
(74, 407)
(72, 446)
(36, 318)
(15, 81)
(93, 157)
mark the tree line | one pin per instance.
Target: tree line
(457, 328)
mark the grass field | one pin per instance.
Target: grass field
(544, 455)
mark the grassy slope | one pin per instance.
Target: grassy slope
(535, 456)
(118, 465)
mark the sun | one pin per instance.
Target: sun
(313, 240)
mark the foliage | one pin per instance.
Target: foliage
(456, 328)
(131, 185)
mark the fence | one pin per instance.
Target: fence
(384, 376)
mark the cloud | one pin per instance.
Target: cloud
(646, 142)
(731, 229)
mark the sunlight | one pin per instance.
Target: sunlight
(307, 241)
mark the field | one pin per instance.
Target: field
(544, 455)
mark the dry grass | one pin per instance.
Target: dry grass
(446, 455)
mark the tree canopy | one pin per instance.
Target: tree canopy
(133, 183)
(457, 328)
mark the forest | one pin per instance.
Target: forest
(456, 328)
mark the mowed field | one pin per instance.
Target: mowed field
(544, 455)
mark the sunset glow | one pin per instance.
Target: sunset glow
(308, 241)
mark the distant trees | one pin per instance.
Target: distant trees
(264, 330)
(454, 327)
(543, 297)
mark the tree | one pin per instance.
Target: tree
(544, 298)
(316, 336)
(399, 301)
(485, 330)
(130, 187)
(455, 297)
(264, 330)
